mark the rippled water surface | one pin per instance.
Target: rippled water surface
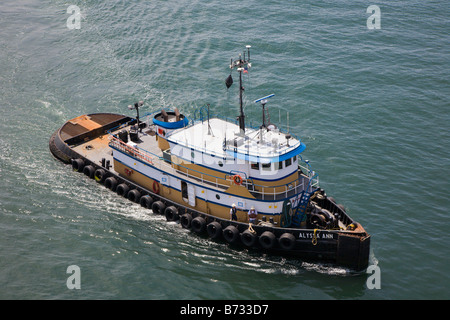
(372, 106)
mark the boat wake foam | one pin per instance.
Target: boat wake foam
(326, 269)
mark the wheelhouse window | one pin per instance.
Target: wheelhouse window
(254, 165)
(288, 162)
(279, 166)
(266, 166)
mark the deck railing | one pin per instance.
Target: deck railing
(261, 192)
(132, 151)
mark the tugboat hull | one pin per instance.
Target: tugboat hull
(347, 248)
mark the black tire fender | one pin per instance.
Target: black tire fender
(231, 234)
(186, 220)
(77, 165)
(111, 183)
(122, 190)
(267, 240)
(89, 171)
(287, 241)
(158, 207)
(134, 195)
(100, 175)
(198, 224)
(214, 230)
(146, 201)
(249, 238)
(171, 213)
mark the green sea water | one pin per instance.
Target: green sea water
(371, 105)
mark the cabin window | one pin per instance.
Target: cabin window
(266, 166)
(220, 164)
(184, 190)
(254, 165)
(294, 159)
(288, 162)
(280, 165)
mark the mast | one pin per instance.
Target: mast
(241, 66)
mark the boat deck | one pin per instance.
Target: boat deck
(96, 149)
(147, 141)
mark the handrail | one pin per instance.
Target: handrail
(148, 157)
(119, 144)
(312, 175)
(200, 118)
(265, 192)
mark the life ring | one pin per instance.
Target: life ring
(214, 230)
(171, 213)
(198, 225)
(287, 241)
(267, 240)
(237, 179)
(156, 187)
(248, 238)
(158, 207)
(231, 234)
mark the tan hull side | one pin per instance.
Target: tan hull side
(224, 179)
(176, 196)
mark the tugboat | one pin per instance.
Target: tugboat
(247, 186)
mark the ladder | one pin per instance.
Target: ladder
(300, 211)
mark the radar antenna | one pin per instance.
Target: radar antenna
(263, 101)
